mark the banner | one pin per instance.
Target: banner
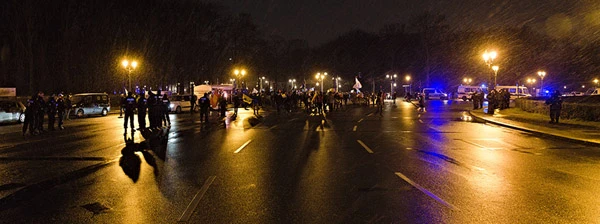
(247, 99)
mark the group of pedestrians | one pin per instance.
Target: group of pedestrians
(156, 107)
(37, 108)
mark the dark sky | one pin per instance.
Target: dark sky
(319, 21)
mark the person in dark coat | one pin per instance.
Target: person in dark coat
(204, 104)
(166, 103)
(41, 111)
(30, 112)
(61, 106)
(555, 103)
(142, 106)
(129, 107)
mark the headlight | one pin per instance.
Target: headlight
(172, 105)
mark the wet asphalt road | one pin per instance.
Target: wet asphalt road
(350, 166)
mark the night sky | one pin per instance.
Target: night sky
(319, 21)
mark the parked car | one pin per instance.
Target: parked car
(515, 91)
(433, 93)
(180, 103)
(574, 93)
(11, 111)
(86, 104)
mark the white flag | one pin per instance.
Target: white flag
(357, 84)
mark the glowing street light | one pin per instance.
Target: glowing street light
(240, 74)
(292, 81)
(495, 68)
(542, 74)
(391, 77)
(321, 76)
(596, 82)
(467, 81)
(129, 66)
(407, 78)
(488, 58)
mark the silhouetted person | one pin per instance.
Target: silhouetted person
(555, 103)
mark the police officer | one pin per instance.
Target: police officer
(52, 107)
(129, 106)
(151, 104)
(555, 106)
(475, 99)
(193, 99)
(30, 112)
(204, 104)
(166, 103)
(61, 106)
(142, 106)
(41, 111)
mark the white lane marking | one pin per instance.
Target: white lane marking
(428, 193)
(365, 146)
(354, 129)
(242, 147)
(194, 203)
(360, 120)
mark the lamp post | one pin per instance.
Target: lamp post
(391, 77)
(531, 82)
(495, 68)
(239, 74)
(488, 58)
(407, 78)
(129, 66)
(336, 81)
(321, 76)
(292, 81)
(542, 74)
(261, 83)
(596, 82)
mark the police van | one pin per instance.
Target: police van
(515, 91)
(466, 92)
(86, 104)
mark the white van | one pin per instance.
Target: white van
(433, 93)
(593, 91)
(466, 92)
(515, 91)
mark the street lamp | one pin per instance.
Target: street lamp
(292, 81)
(240, 74)
(542, 74)
(391, 77)
(531, 82)
(261, 82)
(596, 82)
(495, 68)
(336, 83)
(467, 81)
(407, 78)
(129, 66)
(488, 58)
(321, 76)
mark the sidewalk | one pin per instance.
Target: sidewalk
(580, 131)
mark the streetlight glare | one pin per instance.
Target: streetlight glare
(134, 64)
(236, 72)
(407, 78)
(125, 63)
(495, 68)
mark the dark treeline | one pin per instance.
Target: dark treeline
(77, 46)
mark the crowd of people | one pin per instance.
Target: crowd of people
(37, 108)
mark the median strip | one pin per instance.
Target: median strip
(365, 146)
(242, 147)
(194, 203)
(428, 193)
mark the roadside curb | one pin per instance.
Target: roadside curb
(529, 130)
